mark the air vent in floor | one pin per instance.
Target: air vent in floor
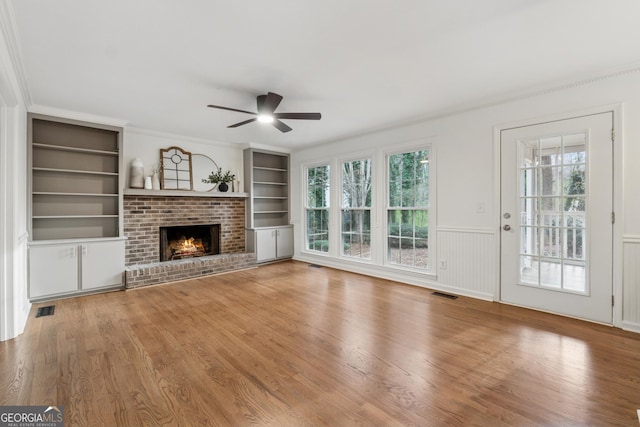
(443, 295)
(46, 311)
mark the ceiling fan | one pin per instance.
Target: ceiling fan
(267, 105)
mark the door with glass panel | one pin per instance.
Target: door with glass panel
(556, 216)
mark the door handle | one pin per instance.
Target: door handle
(506, 227)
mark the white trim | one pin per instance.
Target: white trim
(445, 228)
(262, 147)
(76, 115)
(173, 136)
(10, 34)
(6, 289)
(630, 326)
(627, 238)
(618, 179)
(504, 98)
(401, 276)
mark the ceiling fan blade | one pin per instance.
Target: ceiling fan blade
(281, 126)
(242, 123)
(300, 116)
(231, 109)
(270, 103)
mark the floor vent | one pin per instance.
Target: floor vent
(46, 311)
(443, 295)
(315, 266)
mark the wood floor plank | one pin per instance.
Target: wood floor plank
(289, 345)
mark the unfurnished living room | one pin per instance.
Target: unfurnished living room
(336, 213)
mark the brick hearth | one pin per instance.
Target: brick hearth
(145, 214)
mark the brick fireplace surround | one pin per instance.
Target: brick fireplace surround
(144, 214)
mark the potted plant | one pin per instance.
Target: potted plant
(221, 179)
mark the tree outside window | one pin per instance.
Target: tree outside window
(356, 208)
(408, 209)
(317, 209)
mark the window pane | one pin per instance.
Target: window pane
(318, 230)
(356, 233)
(356, 183)
(317, 215)
(318, 187)
(408, 227)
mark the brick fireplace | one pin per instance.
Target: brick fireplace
(145, 213)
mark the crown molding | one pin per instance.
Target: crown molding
(504, 98)
(76, 115)
(266, 147)
(167, 135)
(10, 33)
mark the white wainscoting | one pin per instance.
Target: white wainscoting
(631, 283)
(467, 261)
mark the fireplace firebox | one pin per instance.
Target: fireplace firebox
(189, 241)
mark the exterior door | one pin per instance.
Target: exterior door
(556, 217)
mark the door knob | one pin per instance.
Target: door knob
(507, 227)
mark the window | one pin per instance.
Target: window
(317, 208)
(408, 209)
(356, 209)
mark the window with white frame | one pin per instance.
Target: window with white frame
(356, 209)
(317, 208)
(408, 209)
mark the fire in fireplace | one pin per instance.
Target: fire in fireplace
(188, 241)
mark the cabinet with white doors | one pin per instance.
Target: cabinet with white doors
(271, 243)
(269, 233)
(75, 207)
(61, 269)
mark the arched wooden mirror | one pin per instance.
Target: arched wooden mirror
(176, 169)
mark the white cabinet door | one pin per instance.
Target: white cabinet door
(102, 264)
(53, 270)
(265, 244)
(284, 242)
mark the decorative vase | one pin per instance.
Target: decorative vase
(147, 183)
(223, 187)
(136, 174)
(155, 181)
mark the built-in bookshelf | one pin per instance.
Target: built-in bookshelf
(75, 190)
(269, 233)
(267, 175)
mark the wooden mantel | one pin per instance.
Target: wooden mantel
(183, 193)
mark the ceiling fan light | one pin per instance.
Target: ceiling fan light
(265, 118)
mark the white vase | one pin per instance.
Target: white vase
(136, 174)
(155, 181)
(147, 183)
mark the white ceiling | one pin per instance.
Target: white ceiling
(363, 64)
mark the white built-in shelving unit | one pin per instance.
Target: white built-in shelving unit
(75, 205)
(269, 232)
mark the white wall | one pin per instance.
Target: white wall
(14, 304)
(466, 177)
(146, 145)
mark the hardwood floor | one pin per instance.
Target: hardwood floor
(290, 345)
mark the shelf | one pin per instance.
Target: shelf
(271, 197)
(72, 216)
(50, 193)
(183, 193)
(267, 176)
(269, 212)
(270, 183)
(74, 149)
(75, 183)
(36, 169)
(269, 169)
